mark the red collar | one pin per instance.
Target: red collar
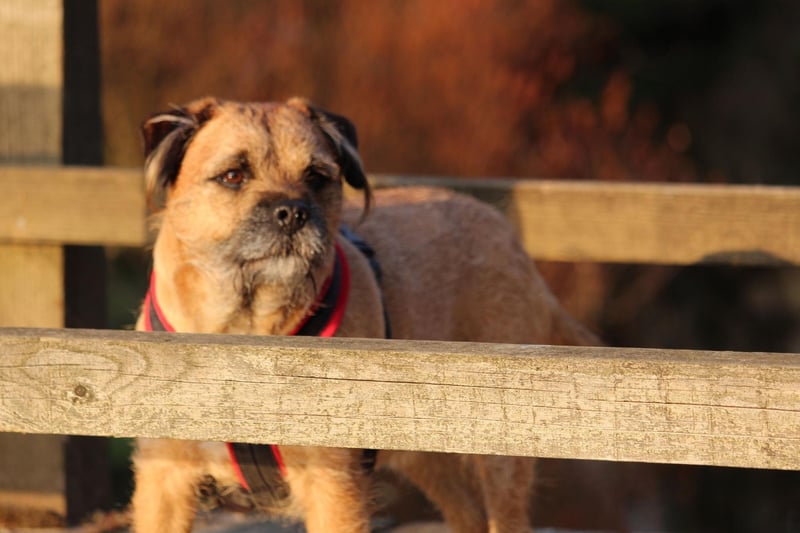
(322, 320)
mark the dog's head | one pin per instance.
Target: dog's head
(254, 187)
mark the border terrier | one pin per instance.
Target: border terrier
(250, 206)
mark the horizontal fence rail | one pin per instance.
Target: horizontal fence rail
(72, 205)
(665, 406)
(642, 222)
(557, 220)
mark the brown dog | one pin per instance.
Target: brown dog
(248, 237)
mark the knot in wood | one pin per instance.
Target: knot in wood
(80, 394)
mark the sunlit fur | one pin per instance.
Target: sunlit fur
(452, 270)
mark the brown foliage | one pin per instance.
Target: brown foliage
(453, 87)
(479, 87)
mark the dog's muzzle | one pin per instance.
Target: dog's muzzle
(283, 228)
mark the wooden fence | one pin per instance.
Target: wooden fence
(50, 115)
(691, 407)
(671, 406)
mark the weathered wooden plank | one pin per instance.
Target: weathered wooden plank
(643, 223)
(31, 276)
(72, 205)
(30, 81)
(32, 287)
(557, 220)
(694, 407)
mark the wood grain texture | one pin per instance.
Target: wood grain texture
(32, 295)
(30, 130)
(643, 223)
(32, 286)
(30, 81)
(72, 205)
(693, 407)
(31, 276)
(557, 220)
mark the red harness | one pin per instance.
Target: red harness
(260, 467)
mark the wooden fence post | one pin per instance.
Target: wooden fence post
(31, 467)
(49, 114)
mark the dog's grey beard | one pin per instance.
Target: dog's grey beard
(267, 258)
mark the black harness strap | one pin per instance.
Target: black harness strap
(367, 251)
(259, 467)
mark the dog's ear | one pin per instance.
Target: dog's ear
(341, 133)
(166, 136)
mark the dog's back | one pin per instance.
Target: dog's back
(458, 264)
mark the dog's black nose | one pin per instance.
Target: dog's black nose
(291, 215)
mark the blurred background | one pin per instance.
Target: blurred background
(663, 90)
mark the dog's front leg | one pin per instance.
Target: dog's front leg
(450, 482)
(165, 497)
(506, 484)
(330, 486)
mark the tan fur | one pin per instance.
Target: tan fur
(452, 270)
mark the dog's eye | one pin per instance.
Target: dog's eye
(233, 179)
(316, 180)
